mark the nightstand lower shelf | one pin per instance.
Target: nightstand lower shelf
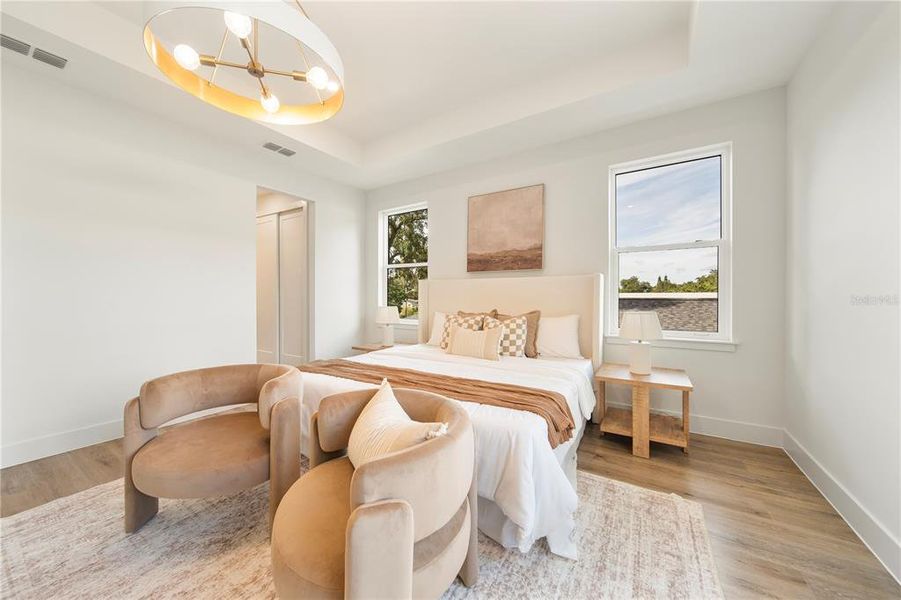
(640, 423)
(662, 428)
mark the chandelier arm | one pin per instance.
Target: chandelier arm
(218, 57)
(299, 76)
(211, 61)
(256, 41)
(246, 45)
(304, 56)
(302, 11)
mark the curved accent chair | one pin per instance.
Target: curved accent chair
(212, 456)
(401, 526)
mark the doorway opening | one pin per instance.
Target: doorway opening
(283, 290)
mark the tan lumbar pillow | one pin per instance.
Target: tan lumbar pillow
(384, 427)
(477, 344)
(473, 322)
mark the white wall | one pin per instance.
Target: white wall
(128, 251)
(842, 390)
(739, 394)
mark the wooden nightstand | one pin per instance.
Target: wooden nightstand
(370, 347)
(373, 347)
(639, 423)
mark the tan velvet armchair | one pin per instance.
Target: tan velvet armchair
(401, 526)
(213, 456)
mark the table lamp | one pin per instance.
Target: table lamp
(640, 326)
(387, 316)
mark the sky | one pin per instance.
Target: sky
(669, 205)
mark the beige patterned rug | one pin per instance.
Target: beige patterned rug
(633, 543)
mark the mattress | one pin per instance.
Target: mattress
(523, 479)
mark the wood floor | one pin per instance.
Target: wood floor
(773, 534)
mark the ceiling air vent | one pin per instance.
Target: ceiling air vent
(280, 149)
(51, 59)
(13, 44)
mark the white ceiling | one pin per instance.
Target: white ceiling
(435, 86)
(423, 60)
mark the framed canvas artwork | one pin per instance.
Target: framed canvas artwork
(506, 230)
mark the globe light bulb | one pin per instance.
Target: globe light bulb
(317, 77)
(332, 86)
(238, 24)
(270, 103)
(187, 57)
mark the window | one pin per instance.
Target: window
(404, 256)
(670, 242)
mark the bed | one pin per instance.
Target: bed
(526, 488)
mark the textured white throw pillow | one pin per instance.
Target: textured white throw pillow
(558, 337)
(437, 329)
(383, 427)
(477, 344)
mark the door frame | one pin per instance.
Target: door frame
(310, 207)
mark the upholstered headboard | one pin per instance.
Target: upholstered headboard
(553, 296)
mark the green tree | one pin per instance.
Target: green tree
(403, 289)
(702, 283)
(633, 285)
(408, 239)
(664, 285)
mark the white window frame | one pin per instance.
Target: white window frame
(383, 256)
(723, 244)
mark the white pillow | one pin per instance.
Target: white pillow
(558, 337)
(437, 329)
(383, 427)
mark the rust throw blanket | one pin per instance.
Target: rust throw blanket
(550, 406)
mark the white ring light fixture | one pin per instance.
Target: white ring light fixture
(183, 65)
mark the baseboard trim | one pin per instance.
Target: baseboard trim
(49, 445)
(871, 532)
(57, 443)
(739, 431)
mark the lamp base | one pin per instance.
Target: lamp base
(387, 335)
(640, 358)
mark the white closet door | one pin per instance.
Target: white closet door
(267, 289)
(293, 287)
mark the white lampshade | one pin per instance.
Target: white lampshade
(387, 315)
(640, 325)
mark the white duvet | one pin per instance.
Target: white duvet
(517, 468)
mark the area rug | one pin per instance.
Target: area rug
(633, 543)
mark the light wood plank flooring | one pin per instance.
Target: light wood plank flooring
(773, 534)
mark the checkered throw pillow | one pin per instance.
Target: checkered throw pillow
(513, 339)
(473, 322)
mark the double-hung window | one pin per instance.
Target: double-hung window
(404, 255)
(670, 237)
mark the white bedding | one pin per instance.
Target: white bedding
(517, 468)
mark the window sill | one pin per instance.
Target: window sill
(407, 325)
(682, 344)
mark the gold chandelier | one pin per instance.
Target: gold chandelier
(196, 72)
